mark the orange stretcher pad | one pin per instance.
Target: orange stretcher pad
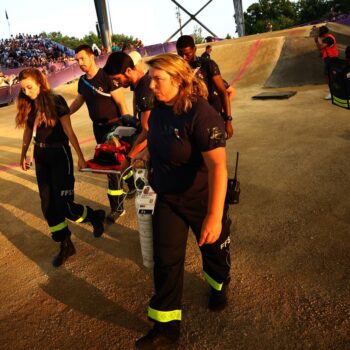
(107, 158)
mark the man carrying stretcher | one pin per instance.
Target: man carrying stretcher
(106, 105)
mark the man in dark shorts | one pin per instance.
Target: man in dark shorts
(209, 71)
(327, 44)
(102, 98)
(121, 68)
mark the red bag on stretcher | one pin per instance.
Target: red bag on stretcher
(109, 156)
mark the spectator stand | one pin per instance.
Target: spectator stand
(59, 73)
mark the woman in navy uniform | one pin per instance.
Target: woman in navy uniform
(39, 110)
(186, 146)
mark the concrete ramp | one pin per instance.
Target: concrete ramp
(299, 64)
(278, 59)
(249, 61)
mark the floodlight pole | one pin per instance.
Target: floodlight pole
(102, 16)
(239, 17)
(192, 17)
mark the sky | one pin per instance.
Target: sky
(152, 21)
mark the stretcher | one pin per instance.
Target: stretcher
(110, 155)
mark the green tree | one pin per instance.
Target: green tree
(342, 6)
(310, 10)
(280, 13)
(197, 34)
(72, 42)
(122, 39)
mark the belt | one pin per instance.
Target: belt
(49, 145)
(107, 122)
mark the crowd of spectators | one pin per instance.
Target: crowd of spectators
(30, 50)
(125, 47)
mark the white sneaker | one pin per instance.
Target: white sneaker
(328, 97)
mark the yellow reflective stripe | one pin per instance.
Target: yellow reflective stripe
(340, 104)
(128, 175)
(340, 101)
(115, 192)
(83, 217)
(212, 282)
(58, 227)
(164, 316)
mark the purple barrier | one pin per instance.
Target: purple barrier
(170, 47)
(52, 67)
(157, 49)
(10, 71)
(8, 94)
(55, 78)
(60, 74)
(341, 19)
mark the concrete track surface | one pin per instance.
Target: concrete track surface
(290, 234)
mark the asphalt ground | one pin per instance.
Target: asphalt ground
(290, 235)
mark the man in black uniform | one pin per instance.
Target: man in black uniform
(120, 67)
(206, 54)
(101, 96)
(209, 71)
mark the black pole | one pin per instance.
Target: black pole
(102, 17)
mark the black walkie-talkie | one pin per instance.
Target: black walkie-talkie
(233, 187)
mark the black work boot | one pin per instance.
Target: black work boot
(218, 298)
(66, 250)
(96, 221)
(161, 336)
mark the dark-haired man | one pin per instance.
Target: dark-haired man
(327, 44)
(209, 71)
(206, 54)
(105, 106)
(122, 69)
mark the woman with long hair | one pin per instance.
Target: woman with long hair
(46, 115)
(186, 148)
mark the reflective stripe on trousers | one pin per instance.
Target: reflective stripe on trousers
(164, 316)
(340, 102)
(212, 282)
(83, 216)
(115, 192)
(61, 226)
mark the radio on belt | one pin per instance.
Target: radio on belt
(147, 201)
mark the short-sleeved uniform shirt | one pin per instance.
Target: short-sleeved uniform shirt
(175, 143)
(101, 108)
(50, 134)
(207, 69)
(144, 97)
(205, 56)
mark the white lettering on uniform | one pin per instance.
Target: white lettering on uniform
(67, 193)
(226, 243)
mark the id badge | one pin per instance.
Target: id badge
(147, 201)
